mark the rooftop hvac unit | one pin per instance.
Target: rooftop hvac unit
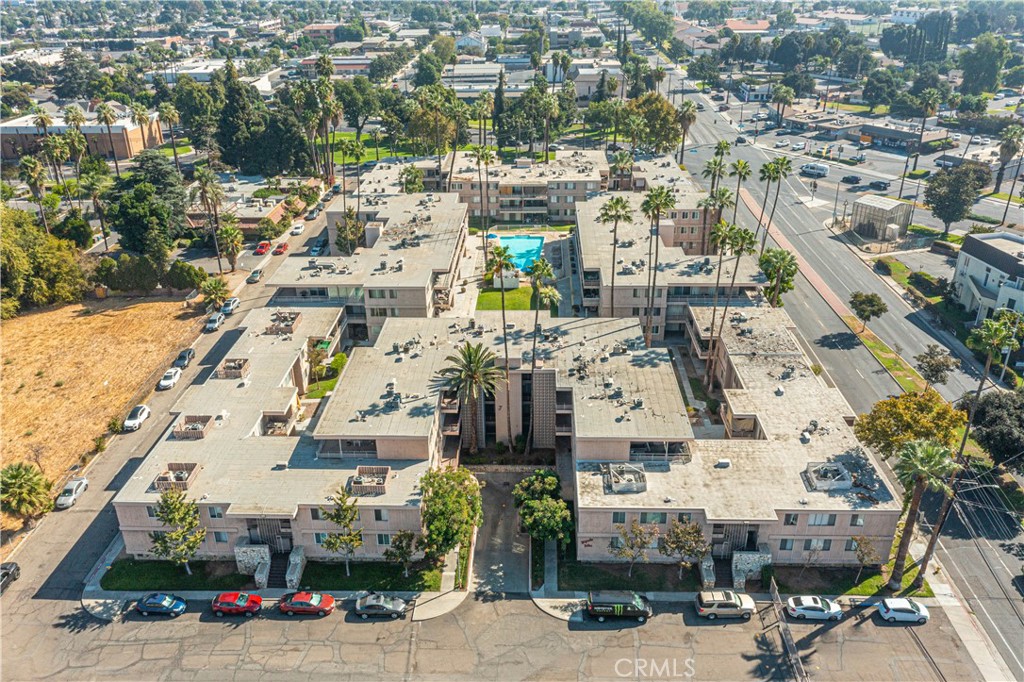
(723, 464)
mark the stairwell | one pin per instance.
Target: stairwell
(723, 574)
(278, 570)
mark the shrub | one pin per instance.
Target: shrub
(268, 229)
(817, 369)
(99, 444)
(983, 219)
(115, 425)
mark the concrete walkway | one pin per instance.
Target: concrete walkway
(110, 605)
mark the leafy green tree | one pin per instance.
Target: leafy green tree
(541, 484)
(662, 127)
(983, 64)
(451, 508)
(75, 229)
(686, 543)
(184, 276)
(951, 193)
(241, 118)
(895, 421)
(401, 550)
(24, 492)
(359, 100)
(74, 74)
(632, 543)
(881, 88)
(184, 536)
(547, 519)
(935, 364)
(215, 290)
(472, 374)
(780, 267)
(38, 269)
(867, 307)
(343, 514)
(411, 178)
(142, 221)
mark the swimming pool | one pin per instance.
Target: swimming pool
(524, 248)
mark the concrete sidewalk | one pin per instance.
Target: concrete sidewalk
(110, 605)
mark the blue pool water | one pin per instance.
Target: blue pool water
(525, 249)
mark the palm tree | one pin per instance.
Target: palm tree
(140, 117)
(636, 127)
(686, 116)
(42, 119)
(714, 169)
(742, 242)
(26, 491)
(993, 337)
(721, 238)
(472, 374)
(210, 193)
(170, 117)
(459, 114)
(358, 150)
(376, 135)
(781, 265)
(501, 260)
(106, 116)
(929, 101)
(73, 116)
(215, 290)
(483, 158)
(615, 210)
(922, 465)
(768, 174)
(544, 295)
(1009, 145)
(94, 186)
(55, 151)
(1013, 186)
(348, 150)
(622, 164)
(548, 108)
(485, 107)
(656, 202)
(230, 239)
(782, 97)
(31, 172)
(740, 170)
(783, 168)
(722, 149)
(76, 145)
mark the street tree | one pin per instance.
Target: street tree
(951, 193)
(867, 307)
(895, 421)
(401, 550)
(866, 553)
(230, 238)
(632, 543)
(686, 116)
(780, 267)
(547, 519)
(999, 426)
(183, 535)
(471, 373)
(1010, 139)
(24, 492)
(344, 514)
(451, 508)
(740, 170)
(685, 542)
(215, 290)
(935, 364)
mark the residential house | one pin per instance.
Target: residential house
(472, 42)
(989, 273)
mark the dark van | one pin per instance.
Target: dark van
(607, 604)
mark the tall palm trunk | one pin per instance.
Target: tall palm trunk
(682, 149)
(533, 377)
(778, 289)
(103, 223)
(714, 317)
(216, 240)
(760, 218)
(174, 148)
(508, 374)
(896, 579)
(42, 213)
(615, 248)
(725, 315)
(474, 417)
(653, 280)
(771, 216)
(110, 138)
(736, 205)
(451, 166)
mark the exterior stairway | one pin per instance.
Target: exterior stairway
(723, 574)
(278, 570)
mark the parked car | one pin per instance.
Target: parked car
(613, 604)
(9, 572)
(880, 185)
(262, 248)
(718, 98)
(741, 140)
(723, 107)
(306, 603)
(169, 379)
(254, 276)
(813, 608)
(312, 214)
(615, 147)
(213, 322)
(852, 179)
(375, 605)
(554, 147)
(799, 146)
(903, 610)
(858, 158)
(73, 489)
(336, 189)
(298, 228)
(139, 414)
(184, 358)
(161, 604)
(230, 306)
(236, 604)
(956, 137)
(781, 143)
(700, 106)
(316, 250)
(985, 140)
(760, 116)
(814, 170)
(724, 604)
(281, 248)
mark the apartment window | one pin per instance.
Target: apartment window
(570, 185)
(857, 520)
(785, 544)
(619, 518)
(383, 539)
(216, 512)
(683, 517)
(554, 199)
(314, 514)
(320, 538)
(616, 543)
(636, 311)
(151, 512)
(378, 312)
(392, 293)
(790, 519)
(718, 529)
(851, 545)
(817, 544)
(672, 215)
(653, 517)
(693, 230)
(570, 199)
(476, 199)
(822, 520)
(636, 293)
(393, 312)
(655, 329)
(380, 514)
(220, 536)
(376, 293)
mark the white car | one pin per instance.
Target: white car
(903, 611)
(230, 306)
(813, 608)
(213, 322)
(298, 228)
(956, 136)
(169, 379)
(782, 143)
(72, 491)
(799, 146)
(139, 414)
(985, 140)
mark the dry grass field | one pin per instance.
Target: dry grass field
(67, 372)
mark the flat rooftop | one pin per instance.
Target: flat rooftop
(610, 351)
(663, 171)
(567, 166)
(241, 468)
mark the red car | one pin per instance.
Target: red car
(262, 248)
(236, 604)
(307, 602)
(280, 248)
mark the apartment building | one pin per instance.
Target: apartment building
(126, 139)
(321, 31)
(786, 483)
(526, 191)
(989, 273)
(239, 445)
(408, 262)
(348, 66)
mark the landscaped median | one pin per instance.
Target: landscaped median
(905, 375)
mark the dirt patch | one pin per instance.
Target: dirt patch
(68, 371)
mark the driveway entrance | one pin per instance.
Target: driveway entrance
(501, 561)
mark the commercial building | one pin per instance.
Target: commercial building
(761, 92)
(125, 139)
(990, 273)
(321, 31)
(344, 66)
(904, 135)
(472, 42)
(250, 210)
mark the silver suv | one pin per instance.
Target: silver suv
(724, 604)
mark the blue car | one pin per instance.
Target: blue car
(163, 604)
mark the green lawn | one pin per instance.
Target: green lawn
(882, 109)
(320, 390)
(519, 299)
(579, 576)
(371, 576)
(183, 145)
(536, 563)
(1003, 196)
(129, 574)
